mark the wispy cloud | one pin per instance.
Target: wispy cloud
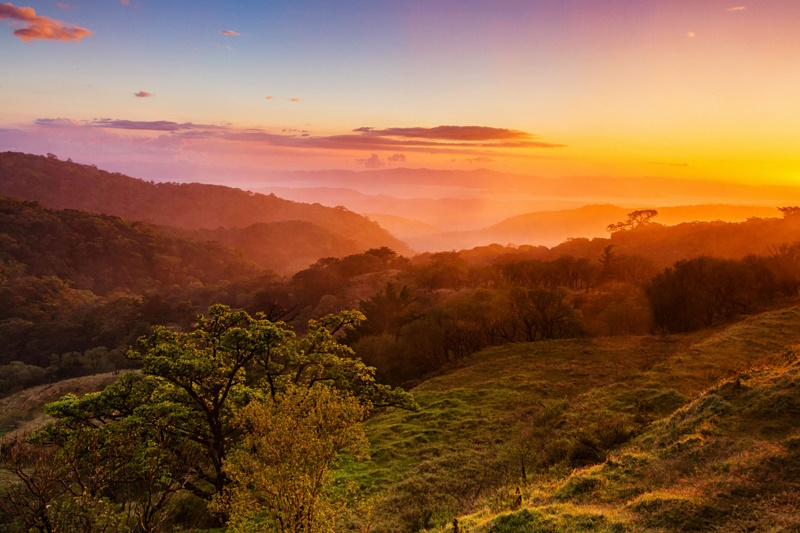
(143, 94)
(691, 35)
(154, 125)
(229, 32)
(37, 27)
(453, 133)
(125, 2)
(57, 122)
(480, 159)
(151, 125)
(295, 99)
(66, 6)
(269, 97)
(370, 140)
(477, 136)
(737, 8)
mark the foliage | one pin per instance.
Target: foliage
(102, 253)
(700, 291)
(281, 468)
(172, 427)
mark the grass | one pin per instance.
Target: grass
(23, 412)
(695, 432)
(613, 432)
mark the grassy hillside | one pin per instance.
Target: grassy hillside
(677, 433)
(24, 411)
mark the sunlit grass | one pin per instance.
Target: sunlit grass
(657, 416)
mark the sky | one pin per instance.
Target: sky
(175, 90)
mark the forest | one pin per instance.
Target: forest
(243, 397)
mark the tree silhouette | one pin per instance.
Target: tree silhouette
(634, 220)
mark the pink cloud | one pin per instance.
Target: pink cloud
(373, 161)
(66, 6)
(229, 32)
(269, 97)
(125, 2)
(291, 138)
(143, 94)
(737, 8)
(36, 27)
(295, 99)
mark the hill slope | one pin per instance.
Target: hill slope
(102, 253)
(59, 185)
(616, 409)
(285, 247)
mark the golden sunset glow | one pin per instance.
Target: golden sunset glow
(249, 93)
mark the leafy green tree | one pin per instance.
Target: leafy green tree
(172, 427)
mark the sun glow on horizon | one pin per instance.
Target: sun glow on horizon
(681, 90)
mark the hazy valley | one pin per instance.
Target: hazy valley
(614, 369)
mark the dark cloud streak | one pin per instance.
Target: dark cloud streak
(450, 133)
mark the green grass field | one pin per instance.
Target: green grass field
(697, 432)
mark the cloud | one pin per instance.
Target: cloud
(143, 94)
(66, 6)
(737, 8)
(453, 133)
(229, 32)
(369, 142)
(154, 125)
(36, 27)
(125, 2)
(691, 35)
(269, 97)
(57, 122)
(475, 136)
(373, 161)
(480, 159)
(295, 99)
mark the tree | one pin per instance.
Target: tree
(181, 415)
(635, 219)
(790, 211)
(696, 292)
(281, 468)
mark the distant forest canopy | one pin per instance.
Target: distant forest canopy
(77, 288)
(63, 184)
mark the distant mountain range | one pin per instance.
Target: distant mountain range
(285, 229)
(550, 228)
(427, 224)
